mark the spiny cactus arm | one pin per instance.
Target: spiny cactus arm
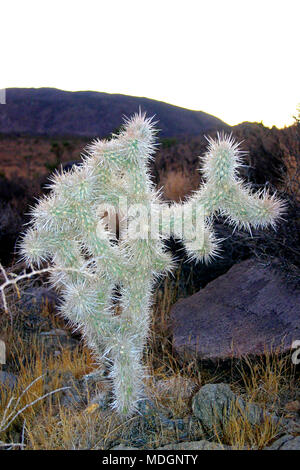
(188, 223)
(121, 163)
(225, 192)
(88, 303)
(202, 245)
(127, 373)
(70, 215)
(61, 250)
(245, 208)
(127, 345)
(38, 246)
(34, 247)
(138, 136)
(135, 142)
(148, 260)
(105, 157)
(139, 132)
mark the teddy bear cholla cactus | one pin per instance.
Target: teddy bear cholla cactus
(69, 230)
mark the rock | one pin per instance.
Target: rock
(176, 387)
(36, 299)
(287, 442)
(247, 311)
(214, 404)
(55, 332)
(91, 389)
(71, 397)
(52, 343)
(8, 379)
(103, 396)
(195, 445)
(183, 426)
(121, 447)
(96, 388)
(149, 413)
(11, 224)
(93, 378)
(291, 425)
(293, 406)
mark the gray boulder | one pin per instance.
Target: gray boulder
(247, 311)
(8, 379)
(215, 403)
(287, 442)
(36, 299)
(192, 445)
(195, 445)
(122, 447)
(179, 388)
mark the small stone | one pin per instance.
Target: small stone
(287, 442)
(293, 406)
(7, 379)
(195, 445)
(36, 299)
(102, 399)
(147, 408)
(176, 387)
(121, 447)
(54, 332)
(92, 408)
(71, 397)
(57, 342)
(214, 404)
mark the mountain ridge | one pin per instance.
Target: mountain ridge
(50, 111)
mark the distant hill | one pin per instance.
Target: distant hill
(48, 111)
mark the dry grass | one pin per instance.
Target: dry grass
(177, 185)
(49, 424)
(267, 379)
(240, 434)
(47, 373)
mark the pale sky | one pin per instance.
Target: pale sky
(236, 59)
